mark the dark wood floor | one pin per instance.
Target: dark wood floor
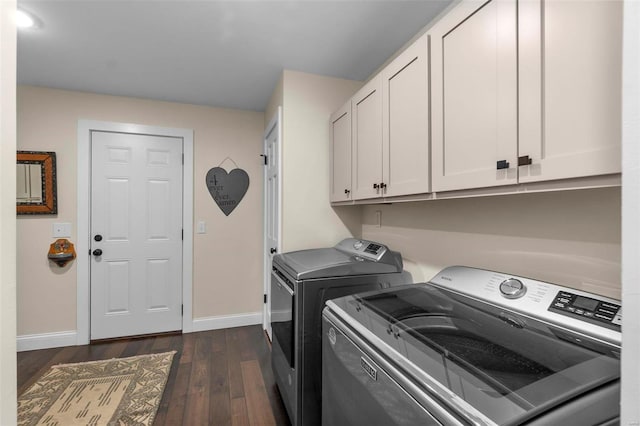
(220, 377)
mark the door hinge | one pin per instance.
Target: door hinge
(182, 310)
(182, 234)
(265, 158)
(265, 298)
(182, 158)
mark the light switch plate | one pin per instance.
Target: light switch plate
(201, 228)
(61, 230)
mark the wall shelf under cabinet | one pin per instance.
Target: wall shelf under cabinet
(590, 182)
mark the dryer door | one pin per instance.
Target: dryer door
(282, 318)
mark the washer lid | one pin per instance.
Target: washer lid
(349, 257)
(482, 359)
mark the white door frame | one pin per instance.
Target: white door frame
(85, 127)
(275, 122)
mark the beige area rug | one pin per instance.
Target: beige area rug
(120, 391)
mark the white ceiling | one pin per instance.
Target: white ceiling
(220, 53)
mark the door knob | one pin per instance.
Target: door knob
(383, 185)
(97, 252)
(376, 186)
(273, 250)
(98, 237)
(346, 191)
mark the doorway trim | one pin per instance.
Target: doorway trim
(85, 127)
(274, 124)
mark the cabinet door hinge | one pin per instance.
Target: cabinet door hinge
(265, 298)
(182, 234)
(182, 310)
(182, 158)
(265, 158)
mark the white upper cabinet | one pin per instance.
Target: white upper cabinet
(519, 95)
(570, 88)
(474, 96)
(366, 107)
(391, 129)
(341, 154)
(405, 122)
(526, 95)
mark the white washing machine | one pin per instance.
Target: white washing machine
(472, 347)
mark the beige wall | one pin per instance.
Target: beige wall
(570, 238)
(7, 213)
(274, 102)
(308, 219)
(223, 278)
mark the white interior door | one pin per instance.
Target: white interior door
(136, 234)
(272, 209)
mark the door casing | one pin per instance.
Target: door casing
(275, 125)
(85, 127)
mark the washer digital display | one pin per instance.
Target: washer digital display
(585, 303)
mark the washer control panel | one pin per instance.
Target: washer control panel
(586, 313)
(588, 309)
(512, 288)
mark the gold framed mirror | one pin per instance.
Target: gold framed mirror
(36, 191)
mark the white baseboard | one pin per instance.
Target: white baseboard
(30, 342)
(226, 321)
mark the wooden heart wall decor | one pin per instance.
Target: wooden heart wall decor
(227, 189)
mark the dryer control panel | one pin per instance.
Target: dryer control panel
(363, 249)
(588, 309)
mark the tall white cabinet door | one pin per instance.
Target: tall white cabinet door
(405, 122)
(341, 154)
(474, 96)
(570, 88)
(367, 141)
